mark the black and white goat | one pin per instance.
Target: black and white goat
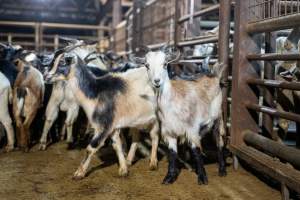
(186, 109)
(111, 102)
(62, 97)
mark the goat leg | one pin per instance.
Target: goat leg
(200, 170)
(117, 145)
(95, 144)
(219, 132)
(173, 170)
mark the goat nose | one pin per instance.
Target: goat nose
(156, 81)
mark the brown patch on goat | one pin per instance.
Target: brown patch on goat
(32, 99)
(205, 87)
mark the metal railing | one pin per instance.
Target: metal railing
(256, 87)
(40, 41)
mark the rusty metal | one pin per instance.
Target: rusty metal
(269, 72)
(275, 83)
(274, 56)
(274, 24)
(289, 154)
(223, 50)
(212, 39)
(273, 112)
(199, 13)
(269, 166)
(241, 92)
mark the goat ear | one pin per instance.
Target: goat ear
(3, 46)
(70, 41)
(173, 56)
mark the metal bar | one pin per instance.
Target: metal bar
(14, 23)
(274, 112)
(274, 56)
(211, 61)
(242, 70)
(275, 83)
(268, 94)
(274, 24)
(213, 39)
(176, 24)
(268, 165)
(223, 50)
(75, 26)
(199, 13)
(289, 154)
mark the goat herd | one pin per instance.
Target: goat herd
(140, 94)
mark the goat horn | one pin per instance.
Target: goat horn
(176, 58)
(3, 45)
(68, 39)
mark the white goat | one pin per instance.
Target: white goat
(5, 119)
(187, 109)
(111, 102)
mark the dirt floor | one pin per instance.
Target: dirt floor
(47, 175)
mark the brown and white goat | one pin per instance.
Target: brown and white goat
(111, 102)
(28, 94)
(187, 109)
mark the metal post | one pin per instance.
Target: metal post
(9, 39)
(37, 36)
(269, 92)
(56, 42)
(40, 36)
(242, 70)
(176, 24)
(117, 11)
(224, 34)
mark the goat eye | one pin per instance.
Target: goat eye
(147, 65)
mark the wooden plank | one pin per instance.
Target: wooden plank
(268, 165)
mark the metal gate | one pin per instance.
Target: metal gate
(256, 23)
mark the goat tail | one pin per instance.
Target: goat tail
(21, 94)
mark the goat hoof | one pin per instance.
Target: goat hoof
(153, 166)
(78, 175)
(222, 173)
(123, 172)
(170, 178)
(129, 162)
(42, 147)
(9, 148)
(77, 178)
(202, 180)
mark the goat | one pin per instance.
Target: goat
(28, 94)
(111, 102)
(5, 119)
(186, 109)
(62, 98)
